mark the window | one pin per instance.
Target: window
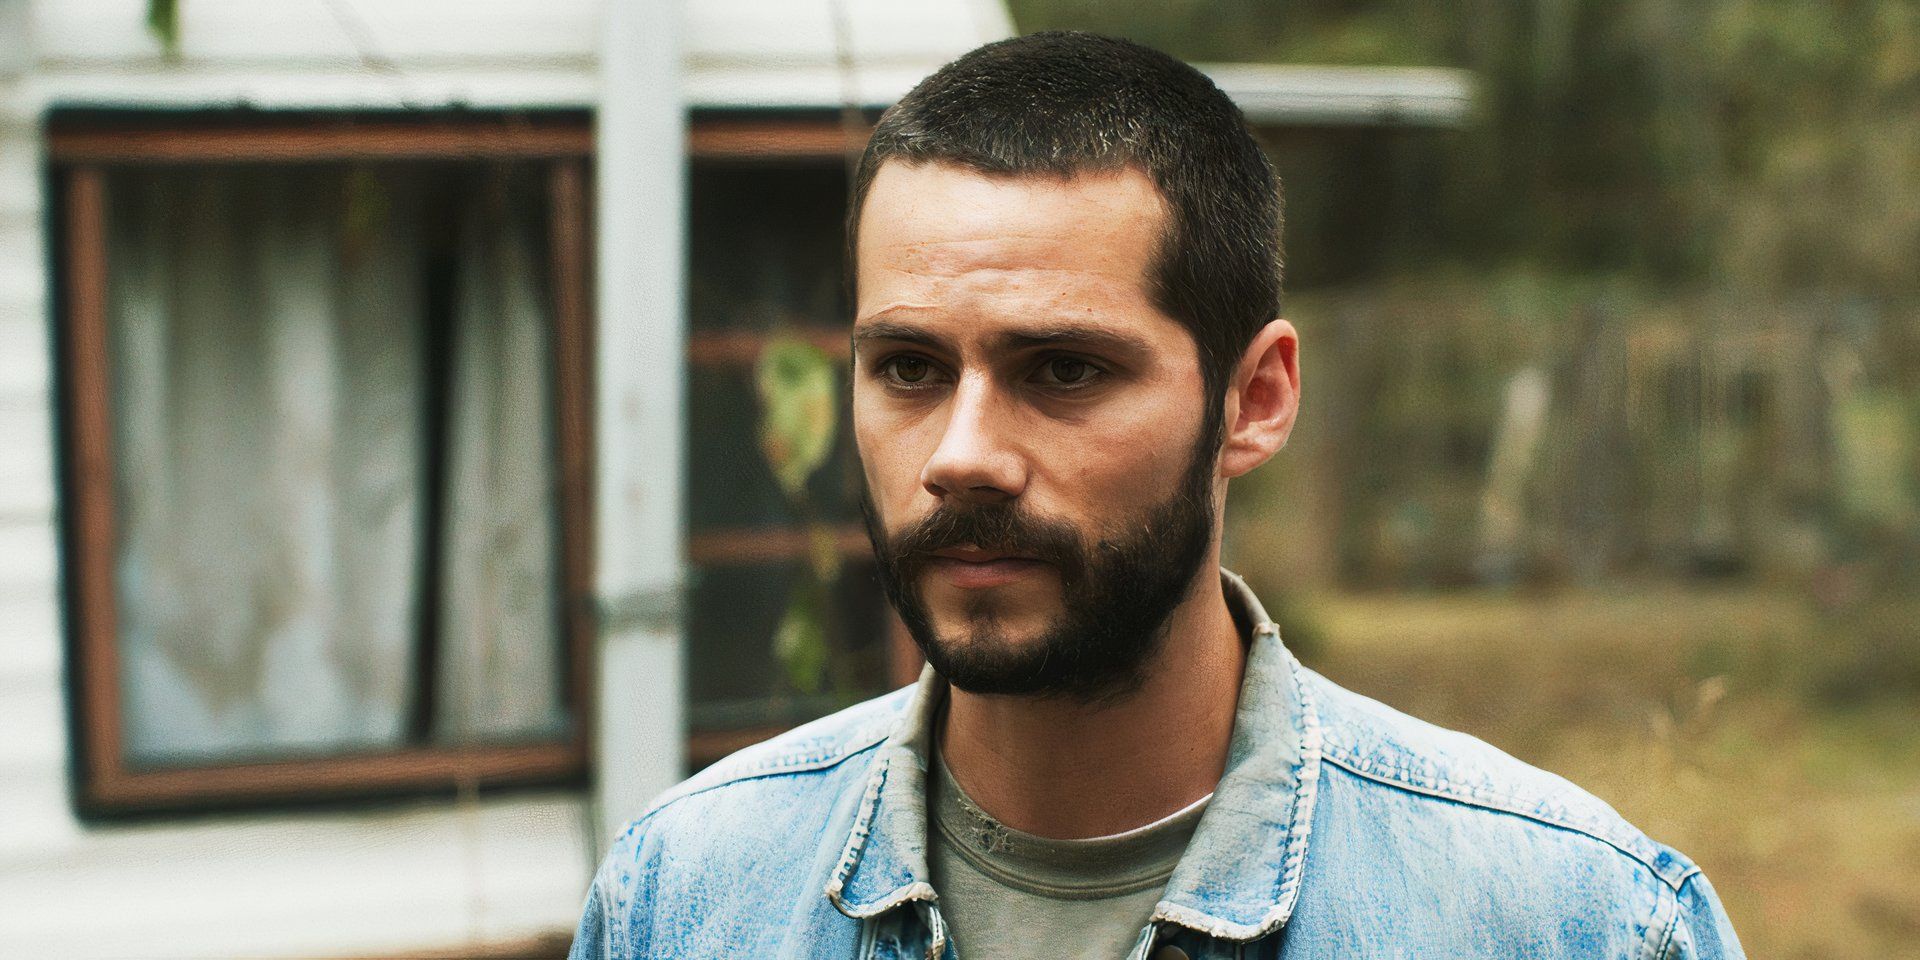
(786, 620)
(327, 453)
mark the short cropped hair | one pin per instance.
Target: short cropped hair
(1060, 103)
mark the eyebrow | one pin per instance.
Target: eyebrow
(884, 330)
(1089, 337)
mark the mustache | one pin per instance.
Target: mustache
(999, 527)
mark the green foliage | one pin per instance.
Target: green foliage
(1256, 31)
(801, 638)
(799, 392)
(163, 20)
(1765, 145)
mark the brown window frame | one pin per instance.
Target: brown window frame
(80, 151)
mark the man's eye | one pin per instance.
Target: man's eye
(907, 369)
(1069, 371)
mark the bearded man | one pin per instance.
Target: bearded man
(1066, 343)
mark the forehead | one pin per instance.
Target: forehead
(945, 238)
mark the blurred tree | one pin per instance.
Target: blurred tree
(1764, 143)
(1677, 209)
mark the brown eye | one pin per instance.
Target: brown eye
(908, 369)
(1068, 369)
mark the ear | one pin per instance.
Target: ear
(1262, 400)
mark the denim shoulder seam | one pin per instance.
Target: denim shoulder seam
(1679, 916)
(1497, 803)
(1668, 901)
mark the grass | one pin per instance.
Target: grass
(1706, 717)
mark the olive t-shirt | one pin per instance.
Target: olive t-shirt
(1008, 894)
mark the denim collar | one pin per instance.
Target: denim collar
(1240, 876)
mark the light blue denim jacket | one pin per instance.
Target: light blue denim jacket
(1341, 828)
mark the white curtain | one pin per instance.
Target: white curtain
(500, 553)
(268, 329)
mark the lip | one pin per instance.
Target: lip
(973, 554)
(991, 570)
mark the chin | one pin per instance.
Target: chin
(983, 630)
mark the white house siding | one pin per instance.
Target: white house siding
(33, 748)
(771, 53)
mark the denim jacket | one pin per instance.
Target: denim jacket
(1340, 828)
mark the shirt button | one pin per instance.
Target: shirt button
(1169, 952)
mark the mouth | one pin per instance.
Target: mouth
(971, 568)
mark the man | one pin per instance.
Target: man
(1066, 343)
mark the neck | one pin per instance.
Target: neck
(1066, 770)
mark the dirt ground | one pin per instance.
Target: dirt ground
(1719, 721)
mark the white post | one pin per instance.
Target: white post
(639, 424)
(16, 47)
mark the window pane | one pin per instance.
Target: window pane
(736, 487)
(740, 681)
(331, 435)
(766, 245)
(772, 642)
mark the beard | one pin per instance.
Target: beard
(1118, 593)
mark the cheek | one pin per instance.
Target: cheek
(1122, 461)
(889, 455)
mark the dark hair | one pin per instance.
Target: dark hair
(1059, 103)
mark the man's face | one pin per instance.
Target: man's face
(1040, 493)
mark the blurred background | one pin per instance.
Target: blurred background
(423, 431)
(1610, 443)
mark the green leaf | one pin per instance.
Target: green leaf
(163, 19)
(823, 553)
(798, 387)
(801, 639)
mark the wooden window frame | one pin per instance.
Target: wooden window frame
(81, 152)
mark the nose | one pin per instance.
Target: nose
(974, 462)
